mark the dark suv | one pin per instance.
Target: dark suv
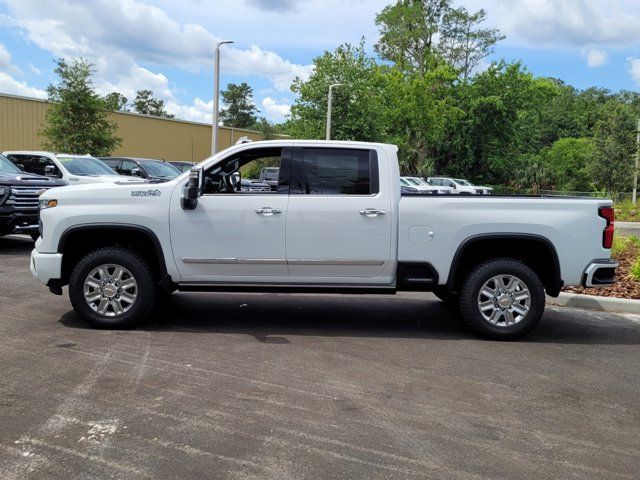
(19, 193)
(154, 171)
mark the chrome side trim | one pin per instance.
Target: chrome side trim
(274, 261)
(235, 261)
(361, 263)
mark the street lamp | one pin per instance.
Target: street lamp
(329, 107)
(216, 95)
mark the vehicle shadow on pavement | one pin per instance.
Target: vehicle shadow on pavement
(16, 245)
(275, 317)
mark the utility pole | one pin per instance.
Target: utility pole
(216, 99)
(635, 171)
(329, 108)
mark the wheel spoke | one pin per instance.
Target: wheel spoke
(117, 273)
(127, 297)
(488, 305)
(102, 273)
(487, 292)
(500, 282)
(508, 317)
(92, 297)
(495, 316)
(520, 309)
(102, 308)
(127, 284)
(513, 283)
(92, 283)
(116, 306)
(521, 295)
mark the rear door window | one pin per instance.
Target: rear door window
(333, 171)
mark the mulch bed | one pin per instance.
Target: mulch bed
(624, 287)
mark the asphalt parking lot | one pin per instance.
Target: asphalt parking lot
(276, 386)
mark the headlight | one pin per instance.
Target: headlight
(5, 192)
(47, 203)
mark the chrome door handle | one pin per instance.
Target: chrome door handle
(268, 211)
(372, 212)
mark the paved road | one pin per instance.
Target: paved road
(275, 386)
(627, 229)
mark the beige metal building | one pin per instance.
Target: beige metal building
(142, 136)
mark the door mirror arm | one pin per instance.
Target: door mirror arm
(192, 190)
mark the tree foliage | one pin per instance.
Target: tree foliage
(116, 101)
(76, 120)
(502, 126)
(146, 104)
(240, 111)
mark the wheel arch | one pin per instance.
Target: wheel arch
(535, 250)
(77, 241)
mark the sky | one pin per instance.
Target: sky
(167, 46)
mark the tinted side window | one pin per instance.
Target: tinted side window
(331, 171)
(127, 166)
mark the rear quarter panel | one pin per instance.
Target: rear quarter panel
(571, 225)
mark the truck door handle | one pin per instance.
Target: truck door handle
(372, 212)
(268, 211)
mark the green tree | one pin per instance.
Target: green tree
(116, 101)
(407, 32)
(146, 104)
(463, 44)
(76, 120)
(615, 147)
(265, 127)
(570, 159)
(240, 111)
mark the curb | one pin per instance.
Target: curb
(591, 302)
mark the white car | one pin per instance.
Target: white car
(71, 169)
(422, 186)
(456, 185)
(480, 189)
(337, 222)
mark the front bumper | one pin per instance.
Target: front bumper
(46, 267)
(18, 223)
(600, 273)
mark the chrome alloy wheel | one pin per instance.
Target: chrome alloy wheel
(110, 290)
(504, 300)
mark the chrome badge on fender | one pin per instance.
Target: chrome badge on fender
(145, 193)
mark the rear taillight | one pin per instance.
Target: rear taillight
(607, 236)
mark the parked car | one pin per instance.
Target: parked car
(183, 166)
(422, 186)
(153, 171)
(254, 186)
(456, 185)
(337, 224)
(480, 189)
(19, 198)
(71, 169)
(270, 175)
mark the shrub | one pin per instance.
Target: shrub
(620, 245)
(634, 273)
(627, 211)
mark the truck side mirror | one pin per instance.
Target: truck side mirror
(49, 171)
(136, 172)
(192, 190)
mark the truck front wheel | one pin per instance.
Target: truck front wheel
(502, 299)
(112, 288)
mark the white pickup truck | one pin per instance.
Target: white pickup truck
(337, 222)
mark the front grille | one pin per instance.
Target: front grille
(25, 198)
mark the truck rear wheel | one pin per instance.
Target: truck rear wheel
(112, 288)
(502, 299)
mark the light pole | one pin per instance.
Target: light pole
(329, 107)
(634, 197)
(216, 95)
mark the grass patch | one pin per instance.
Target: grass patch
(620, 245)
(634, 271)
(627, 212)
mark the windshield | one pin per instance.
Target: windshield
(6, 166)
(412, 181)
(160, 169)
(466, 183)
(84, 166)
(419, 181)
(271, 174)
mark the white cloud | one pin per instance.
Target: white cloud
(118, 36)
(274, 110)
(633, 66)
(5, 61)
(613, 23)
(35, 69)
(12, 86)
(596, 57)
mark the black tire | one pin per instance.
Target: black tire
(443, 293)
(470, 302)
(146, 289)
